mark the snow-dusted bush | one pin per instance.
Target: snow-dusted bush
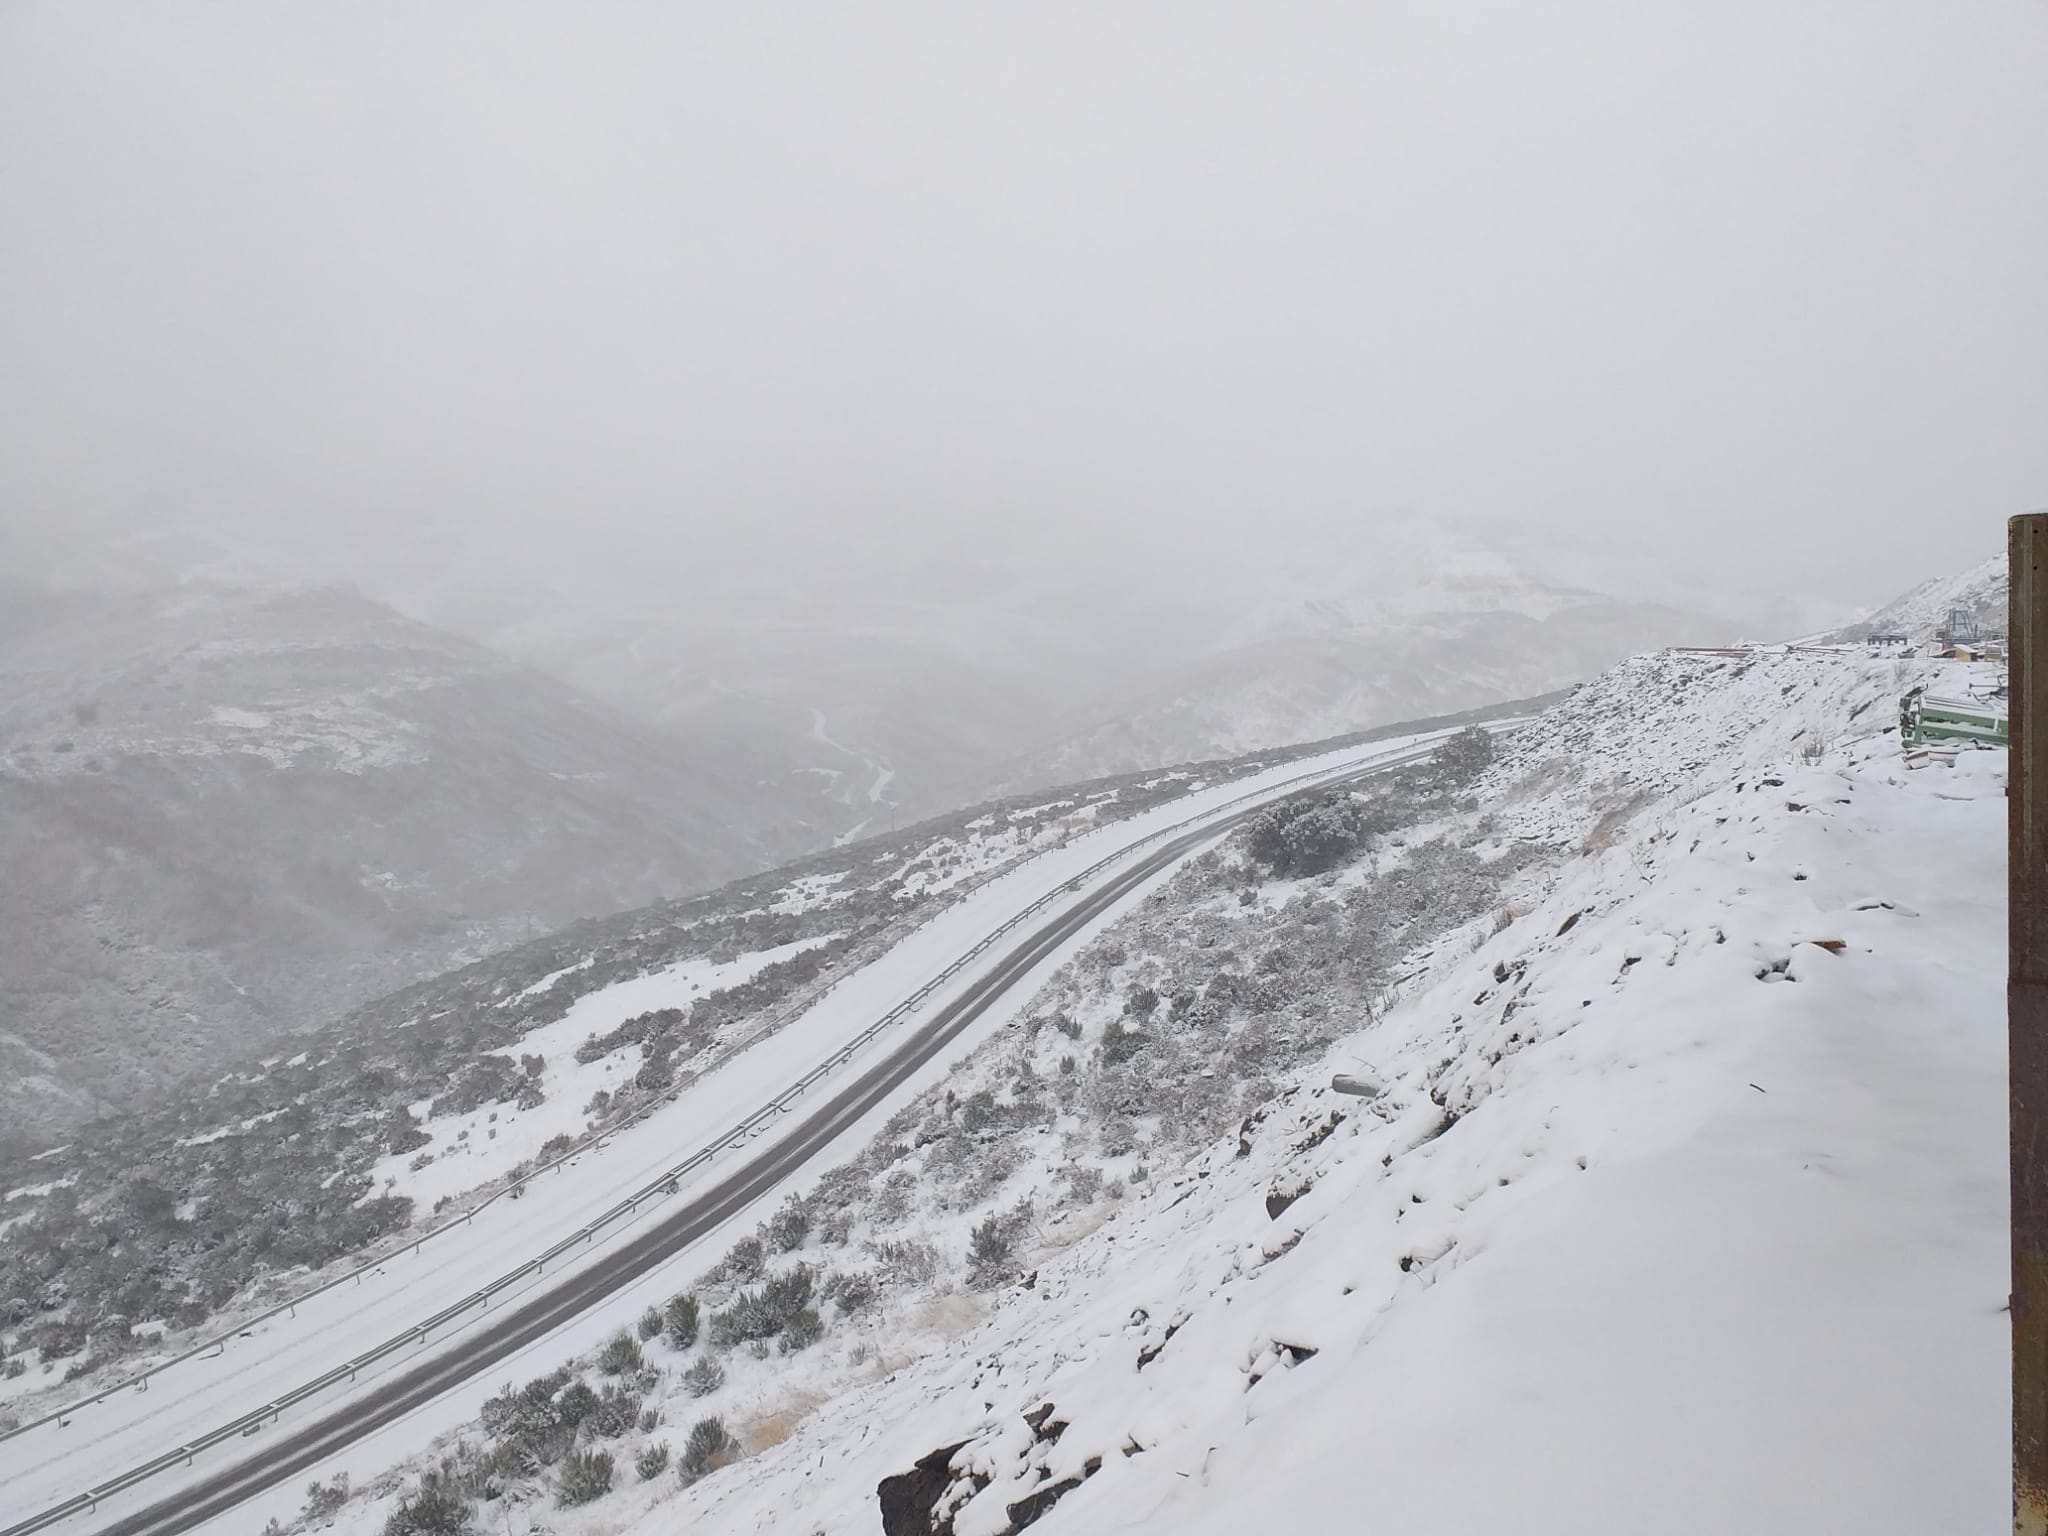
(680, 1316)
(786, 1230)
(651, 1323)
(1466, 755)
(615, 1412)
(992, 1243)
(475, 1472)
(708, 1448)
(745, 1262)
(432, 1509)
(704, 1377)
(904, 1263)
(620, 1355)
(323, 1499)
(514, 1408)
(1119, 1044)
(898, 1191)
(652, 1460)
(1309, 835)
(801, 1331)
(977, 1111)
(585, 1475)
(850, 1290)
(765, 1311)
(992, 1168)
(836, 1229)
(1083, 1181)
(575, 1403)
(990, 1246)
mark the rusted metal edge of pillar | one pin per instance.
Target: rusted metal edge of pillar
(2027, 1015)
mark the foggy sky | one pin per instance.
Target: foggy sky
(1756, 287)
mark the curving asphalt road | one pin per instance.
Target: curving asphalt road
(306, 1447)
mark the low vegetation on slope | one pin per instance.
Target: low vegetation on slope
(1177, 1027)
(1120, 1183)
(1706, 1139)
(226, 1197)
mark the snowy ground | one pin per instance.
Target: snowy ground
(1715, 1242)
(1680, 1210)
(488, 1142)
(125, 1429)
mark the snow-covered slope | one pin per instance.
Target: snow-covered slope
(1323, 670)
(1682, 1194)
(1677, 1192)
(164, 1225)
(1982, 591)
(1662, 1224)
(231, 813)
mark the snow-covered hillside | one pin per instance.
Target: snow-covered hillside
(1660, 1224)
(1677, 1187)
(438, 1093)
(1338, 670)
(1982, 591)
(228, 815)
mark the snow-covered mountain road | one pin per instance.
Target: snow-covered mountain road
(122, 1463)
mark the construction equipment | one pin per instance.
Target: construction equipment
(1926, 720)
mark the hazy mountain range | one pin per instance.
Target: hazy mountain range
(866, 684)
(237, 798)
(230, 812)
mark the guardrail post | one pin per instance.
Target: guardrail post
(2027, 1014)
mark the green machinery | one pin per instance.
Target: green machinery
(1926, 720)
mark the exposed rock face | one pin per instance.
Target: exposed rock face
(925, 1500)
(910, 1500)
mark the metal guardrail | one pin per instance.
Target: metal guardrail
(660, 1187)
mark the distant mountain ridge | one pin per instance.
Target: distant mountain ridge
(229, 813)
(1333, 669)
(894, 687)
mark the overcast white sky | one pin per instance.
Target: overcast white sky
(1756, 286)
